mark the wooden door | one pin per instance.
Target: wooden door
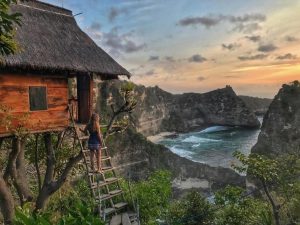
(84, 83)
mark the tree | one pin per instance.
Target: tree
(234, 207)
(128, 105)
(8, 21)
(7, 46)
(277, 178)
(193, 209)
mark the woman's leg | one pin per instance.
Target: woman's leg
(99, 160)
(92, 153)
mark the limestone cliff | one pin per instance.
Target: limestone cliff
(280, 132)
(160, 111)
(136, 157)
(259, 105)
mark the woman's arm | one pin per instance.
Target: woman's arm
(100, 136)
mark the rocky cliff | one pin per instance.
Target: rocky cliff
(258, 105)
(280, 132)
(136, 158)
(159, 111)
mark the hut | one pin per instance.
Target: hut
(53, 53)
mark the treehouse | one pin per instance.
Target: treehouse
(56, 65)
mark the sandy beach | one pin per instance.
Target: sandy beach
(158, 137)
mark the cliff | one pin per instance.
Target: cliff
(280, 132)
(136, 158)
(258, 105)
(160, 111)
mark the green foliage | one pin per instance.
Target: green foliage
(279, 179)
(81, 213)
(67, 198)
(193, 209)
(236, 209)
(25, 216)
(72, 205)
(7, 22)
(153, 196)
(258, 166)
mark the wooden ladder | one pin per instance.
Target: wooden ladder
(105, 187)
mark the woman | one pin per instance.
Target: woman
(95, 140)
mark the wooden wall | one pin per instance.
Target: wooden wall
(14, 93)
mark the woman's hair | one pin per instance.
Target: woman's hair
(94, 123)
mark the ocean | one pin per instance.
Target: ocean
(213, 146)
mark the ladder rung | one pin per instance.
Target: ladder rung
(82, 138)
(102, 183)
(110, 195)
(108, 211)
(104, 158)
(115, 192)
(120, 205)
(104, 169)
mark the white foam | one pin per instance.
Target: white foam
(194, 139)
(180, 152)
(215, 129)
(195, 146)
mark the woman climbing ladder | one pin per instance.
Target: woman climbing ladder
(95, 141)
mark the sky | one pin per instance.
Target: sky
(198, 45)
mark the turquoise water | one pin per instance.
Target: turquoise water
(214, 145)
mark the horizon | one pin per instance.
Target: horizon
(199, 46)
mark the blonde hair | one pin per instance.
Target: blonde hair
(94, 123)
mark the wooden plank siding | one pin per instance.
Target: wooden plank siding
(14, 93)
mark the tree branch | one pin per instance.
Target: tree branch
(36, 162)
(50, 161)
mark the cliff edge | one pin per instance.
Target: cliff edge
(160, 111)
(280, 132)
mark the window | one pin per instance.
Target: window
(38, 98)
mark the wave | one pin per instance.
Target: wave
(215, 129)
(194, 139)
(180, 152)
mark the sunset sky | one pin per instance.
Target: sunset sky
(198, 45)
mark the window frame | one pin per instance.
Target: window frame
(46, 92)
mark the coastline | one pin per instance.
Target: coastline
(158, 137)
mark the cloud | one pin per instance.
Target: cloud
(153, 58)
(253, 57)
(247, 18)
(246, 23)
(254, 38)
(197, 58)
(205, 21)
(247, 28)
(287, 56)
(231, 46)
(115, 12)
(267, 48)
(169, 59)
(95, 26)
(201, 78)
(290, 38)
(121, 43)
(150, 72)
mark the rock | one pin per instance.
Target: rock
(258, 105)
(137, 158)
(280, 132)
(159, 111)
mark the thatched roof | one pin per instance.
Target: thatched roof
(51, 40)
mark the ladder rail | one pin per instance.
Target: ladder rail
(101, 192)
